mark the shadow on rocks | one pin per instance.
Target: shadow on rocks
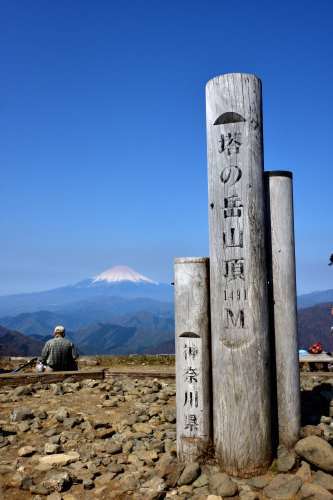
(316, 403)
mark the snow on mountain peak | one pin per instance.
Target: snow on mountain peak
(122, 273)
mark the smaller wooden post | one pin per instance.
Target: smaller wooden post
(279, 195)
(192, 356)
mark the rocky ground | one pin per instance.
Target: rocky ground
(115, 439)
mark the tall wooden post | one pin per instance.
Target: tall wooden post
(279, 194)
(238, 280)
(192, 356)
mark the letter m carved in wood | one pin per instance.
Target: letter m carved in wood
(234, 319)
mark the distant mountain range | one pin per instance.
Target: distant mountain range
(121, 312)
(313, 298)
(119, 282)
(314, 324)
(118, 312)
(78, 315)
(15, 344)
(142, 333)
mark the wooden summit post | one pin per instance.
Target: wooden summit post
(282, 270)
(192, 356)
(238, 279)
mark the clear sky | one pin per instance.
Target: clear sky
(102, 130)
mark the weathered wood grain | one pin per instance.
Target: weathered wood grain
(159, 374)
(238, 277)
(279, 194)
(193, 376)
(317, 375)
(316, 358)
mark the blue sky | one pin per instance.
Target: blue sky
(102, 130)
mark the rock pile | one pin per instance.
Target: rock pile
(116, 439)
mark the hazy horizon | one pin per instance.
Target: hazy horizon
(18, 292)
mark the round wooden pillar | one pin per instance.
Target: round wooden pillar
(238, 277)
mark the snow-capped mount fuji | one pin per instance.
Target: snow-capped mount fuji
(119, 282)
(119, 274)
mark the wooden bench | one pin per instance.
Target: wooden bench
(15, 379)
(318, 361)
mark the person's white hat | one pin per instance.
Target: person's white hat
(59, 329)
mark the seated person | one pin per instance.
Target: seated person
(58, 354)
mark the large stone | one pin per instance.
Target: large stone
(169, 414)
(39, 489)
(51, 432)
(59, 458)
(144, 428)
(26, 482)
(130, 481)
(316, 451)
(60, 481)
(324, 480)
(3, 441)
(80, 475)
(54, 496)
(311, 430)
(134, 460)
(171, 473)
(8, 429)
(114, 448)
(185, 490)
(6, 469)
(22, 390)
(51, 448)
(283, 486)
(153, 488)
(128, 447)
(69, 496)
(147, 456)
(19, 414)
(98, 423)
(248, 494)
(189, 474)
(104, 433)
(315, 492)
(71, 422)
(286, 459)
(57, 389)
(88, 484)
(61, 414)
(165, 460)
(24, 426)
(26, 451)
(222, 485)
(201, 481)
(15, 481)
(259, 482)
(116, 468)
(104, 479)
(304, 472)
(55, 439)
(42, 414)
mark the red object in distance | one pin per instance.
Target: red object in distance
(316, 348)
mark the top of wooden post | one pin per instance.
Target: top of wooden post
(191, 260)
(279, 173)
(216, 79)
